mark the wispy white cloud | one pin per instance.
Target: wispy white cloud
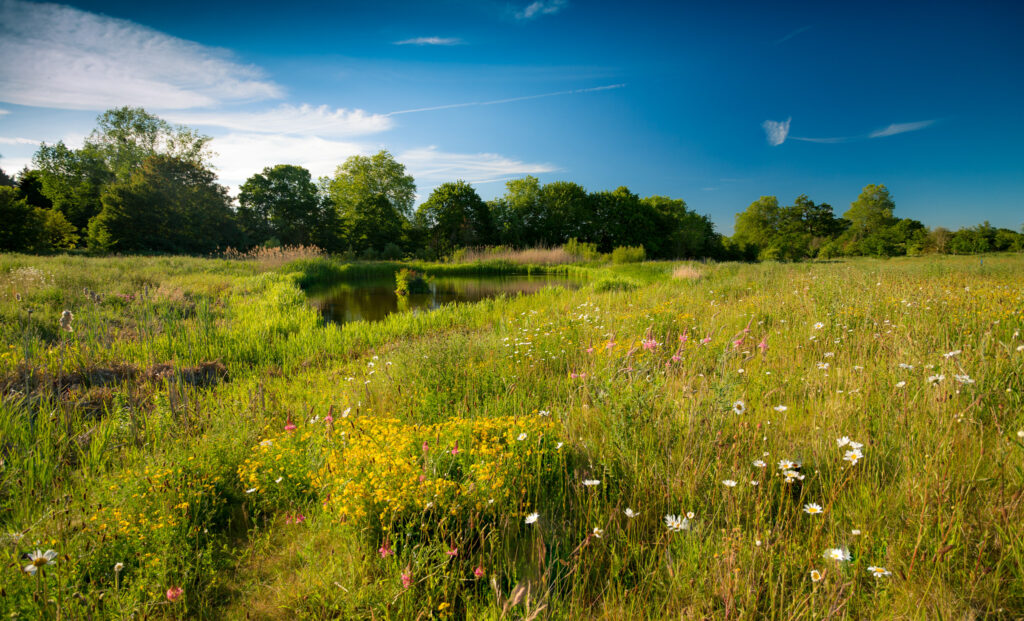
(834, 140)
(431, 41)
(3, 112)
(509, 100)
(60, 57)
(289, 119)
(433, 165)
(15, 140)
(541, 7)
(792, 34)
(900, 128)
(776, 131)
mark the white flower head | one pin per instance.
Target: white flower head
(630, 513)
(40, 559)
(793, 475)
(739, 407)
(780, 408)
(843, 441)
(591, 482)
(530, 519)
(675, 523)
(816, 575)
(729, 483)
(521, 436)
(759, 463)
(853, 456)
(812, 508)
(837, 554)
(597, 532)
(879, 572)
(819, 326)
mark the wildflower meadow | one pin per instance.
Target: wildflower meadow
(189, 438)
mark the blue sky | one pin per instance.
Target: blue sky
(717, 103)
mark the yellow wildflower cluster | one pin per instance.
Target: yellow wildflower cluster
(383, 469)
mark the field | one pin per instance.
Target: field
(816, 440)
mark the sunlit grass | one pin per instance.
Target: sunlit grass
(203, 427)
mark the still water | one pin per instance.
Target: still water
(374, 300)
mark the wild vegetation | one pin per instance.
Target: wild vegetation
(185, 437)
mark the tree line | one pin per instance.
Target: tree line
(141, 185)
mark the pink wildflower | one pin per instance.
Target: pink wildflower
(590, 350)
(452, 552)
(455, 449)
(385, 550)
(705, 340)
(763, 345)
(479, 571)
(407, 578)
(174, 594)
(289, 425)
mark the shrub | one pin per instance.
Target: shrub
(392, 252)
(582, 250)
(410, 281)
(628, 254)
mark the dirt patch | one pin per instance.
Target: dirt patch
(203, 374)
(84, 381)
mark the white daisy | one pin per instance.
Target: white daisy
(843, 441)
(879, 572)
(40, 559)
(591, 482)
(530, 519)
(813, 509)
(837, 554)
(739, 407)
(758, 463)
(729, 483)
(630, 513)
(675, 523)
(780, 408)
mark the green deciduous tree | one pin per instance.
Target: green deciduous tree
(454, 215)
(871, 212)
(362, 177)
(167, 205)
(75, 179)
(281, 202)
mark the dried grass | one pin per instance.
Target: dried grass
(527, 256)
(687, 272)
(271, 258)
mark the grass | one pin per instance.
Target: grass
(203, 427)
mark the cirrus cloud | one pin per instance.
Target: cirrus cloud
(289, 119)
(57, 56)
(430, 41)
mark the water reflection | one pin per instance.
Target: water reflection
(374, 300)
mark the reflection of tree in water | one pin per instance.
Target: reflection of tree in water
(375, 300)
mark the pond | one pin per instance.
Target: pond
(373, 300)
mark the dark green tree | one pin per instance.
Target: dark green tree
(75, 179)
(281, 202)
(167, 205)
(455, 216)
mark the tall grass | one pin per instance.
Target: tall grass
(387, 470)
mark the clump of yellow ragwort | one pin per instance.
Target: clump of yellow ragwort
(386, 471)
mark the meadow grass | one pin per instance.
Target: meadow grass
(743, 443)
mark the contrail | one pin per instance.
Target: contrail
(509, 100)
